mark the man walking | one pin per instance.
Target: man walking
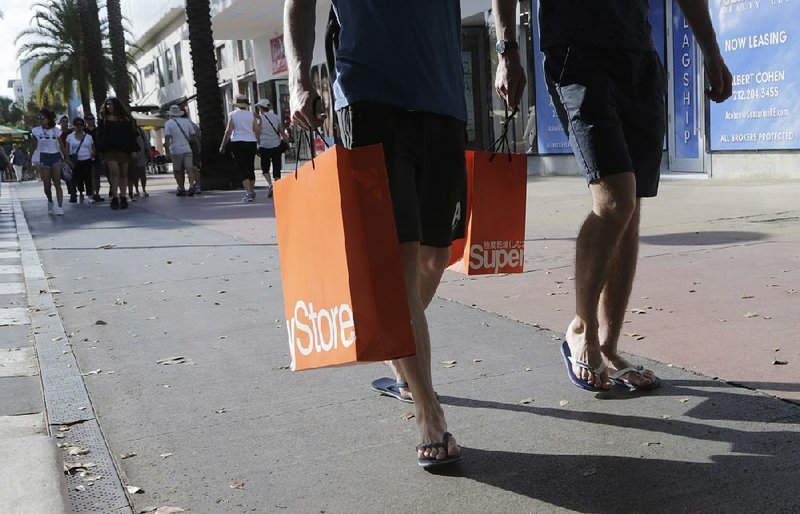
(400, 83)
(608, 87)
(18, 158)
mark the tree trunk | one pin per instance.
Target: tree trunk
(116, 34)
(93, 47)
(217, 170)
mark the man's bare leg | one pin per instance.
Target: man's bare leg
(613, 205)
(417, 369)
(614, 300)
(433, 262)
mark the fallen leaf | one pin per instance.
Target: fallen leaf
(590, 472)
(165, 455)
(100, 322)
(120, 301)
(221, 411)
(652, 443)
(630, 334)
(638, 311)
(477, 360)
(665, 416)
(93, 372)
(77, 450)
(751, 315)
(152, 318)
(221, 291)
(684, 400)
(166, 509)
(172, 360)
(449, 362)
(147, 510)
(106, 247)
(237, 484)
(528, 369)
(766, 317)
(777, 362)
(80, 488)
(59, 338)
(526, 401)
(133, 489)
(407, 416)
(563, 403)
(746, 296)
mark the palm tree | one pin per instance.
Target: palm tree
(118, 55)
(55, 46)
(216, 169)
(92, 33)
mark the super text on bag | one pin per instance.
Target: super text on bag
(320, 331)
(496, 255)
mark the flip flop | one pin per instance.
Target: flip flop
(617, 379)
(427, 462)
(569, 361)
(390, 387)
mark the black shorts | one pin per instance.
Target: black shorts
(611, 105)
(425, 161)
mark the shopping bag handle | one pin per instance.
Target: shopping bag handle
(501, 142)
(307, 136)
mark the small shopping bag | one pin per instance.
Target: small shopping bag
(342, 274)
(496, 202)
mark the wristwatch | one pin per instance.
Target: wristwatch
(503, 47)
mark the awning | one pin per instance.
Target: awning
(12, 135)
(148, 122)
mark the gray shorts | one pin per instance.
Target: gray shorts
(182, 161)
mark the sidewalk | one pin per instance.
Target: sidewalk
(188, 368)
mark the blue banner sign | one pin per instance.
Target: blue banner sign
(550, 134)
(760, 42)
(684, 106)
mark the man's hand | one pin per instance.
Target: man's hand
(510, 80)
(306, 108)
(719, 78)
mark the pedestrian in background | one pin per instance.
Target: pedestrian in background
(241, 138)
(116, 142)
(607, 84)
(18, 158)
(81, 151)
(49, 157)
(180, 135)
(63, 124)
(198, 163)
(98, 166)
(138, 166)
(273, 142)
(5, 164)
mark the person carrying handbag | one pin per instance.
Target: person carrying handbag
(273, 143)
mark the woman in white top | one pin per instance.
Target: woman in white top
(80, 146)
(273, 142)
(242, 132)
(51, 154)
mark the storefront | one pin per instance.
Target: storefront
(752, 135)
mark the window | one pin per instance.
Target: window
(178, 61)
(169, 65)
(240, 47)
(160, 75)
(221, 57)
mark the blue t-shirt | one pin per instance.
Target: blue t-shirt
(406, 54)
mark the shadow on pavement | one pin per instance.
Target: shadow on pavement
(721, 237)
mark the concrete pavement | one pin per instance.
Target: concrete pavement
(198, 278)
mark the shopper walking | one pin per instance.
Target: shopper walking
(81, 151)
(18, 158)
(382, 96)
(50, 156)
(181, 136)
(116, 142)
(608, 85)
(98, 166)
(138, 166)
(63, 125)
(273, 142)
(241, 138)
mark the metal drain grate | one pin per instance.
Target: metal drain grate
(103, 495)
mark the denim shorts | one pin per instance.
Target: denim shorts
(47, 160)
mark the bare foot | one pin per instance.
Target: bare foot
(405, 392)
(432, 431)
(616, 362)
(589, 352)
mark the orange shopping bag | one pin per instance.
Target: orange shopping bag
(343, 287)
(495, 235)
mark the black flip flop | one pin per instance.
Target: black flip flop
(390, 387)
(427, 462)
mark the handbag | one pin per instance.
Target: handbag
(343, 287)
(73, 157)
(192, 144)
(283, 145)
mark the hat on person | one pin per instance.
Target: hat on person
(241, 101)
(264, 104)
(175, 111)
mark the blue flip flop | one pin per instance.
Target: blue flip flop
(617, 379)
(569, 361)
(427, 462)
(390, 387)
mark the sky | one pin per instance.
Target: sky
(17, 16)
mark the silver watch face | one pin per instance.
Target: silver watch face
(500, 47)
